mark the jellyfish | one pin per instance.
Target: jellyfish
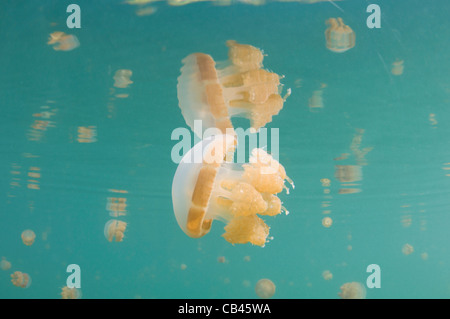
(352, 290)
(327, 275)
(339, 37)
(4, 264)
(265, 288)
(62, 41)
(397, 67)
(114, 230)
(70, 293)
(348, 173)
(407, 249)
(239, 87)
(122, 78)
(211, 188)
(327, 222)
(28, 237)
(21, 279)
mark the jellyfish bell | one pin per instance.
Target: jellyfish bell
(265, 288)
(5, 264)
(20, 279)
(114, 230)
(28, 237)
(339, 37)
(62, 41)
(239, 87)
(207, 186)
(352, 290)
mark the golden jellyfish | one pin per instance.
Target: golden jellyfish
(70, 293)
(239, 87)
(407, 249)
(62, 41)
(348, 173)
(4, 264)
(339, 37)
(352, 290)
(114, 230)
(327, 222)
(28, 237)
(265, 288)
(206, 187)
(21, 279)
(397, 67)
(327, 275)
(122, 78)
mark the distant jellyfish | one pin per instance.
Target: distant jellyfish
(327, 275)
(183, 266)
(221, 259)
(397, 67)
(4, 264)
(239, 87)
(70, 293)
(206, 187)
(21, 279)
(265, 288)
(352, 290)
(316, 100)
(327, 222)
(247, 258)
(114, 230)
(339, 37)
(62, 41)
(122, 78)
(407, 249)
(28, 237)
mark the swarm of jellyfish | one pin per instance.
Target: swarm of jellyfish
(239, 87)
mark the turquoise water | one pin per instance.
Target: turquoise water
(404, 192)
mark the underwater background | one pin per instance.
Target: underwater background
(72, 144)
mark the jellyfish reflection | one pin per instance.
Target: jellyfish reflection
(339, 37)
(114, 230)
(233, 193)
(28, 237)
(265, 288)
(21, 279)
(215, 92)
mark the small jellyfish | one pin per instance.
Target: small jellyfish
(62, 41)
(21, 279)
(211, 188)
(215, 92)
(407, 249)
(397, 67)
(327, 275)
(221, 259)
(265, 288)
(4, 264)
(352, 290)
(327, 222)
(114, 230)
(70, 293)
(183, 266)
(339, 37)
(122, 78)
(28, 237)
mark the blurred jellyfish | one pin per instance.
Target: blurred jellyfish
(247, 258)
(114, 230)
(424, 256)
(20, 279)
(352, 290)
(122, 78)
(265, 288)
(316, 100)
(339, 37)
(221, 259)
(327, 275)
(146, 11)
(397, 67)
(28, 237)
(63, 42)
(70, 293)
(327, 222)
(215, 92)
(183, 266)
(4, 264)
(209, 188)
(348, 173)
(407, 249)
